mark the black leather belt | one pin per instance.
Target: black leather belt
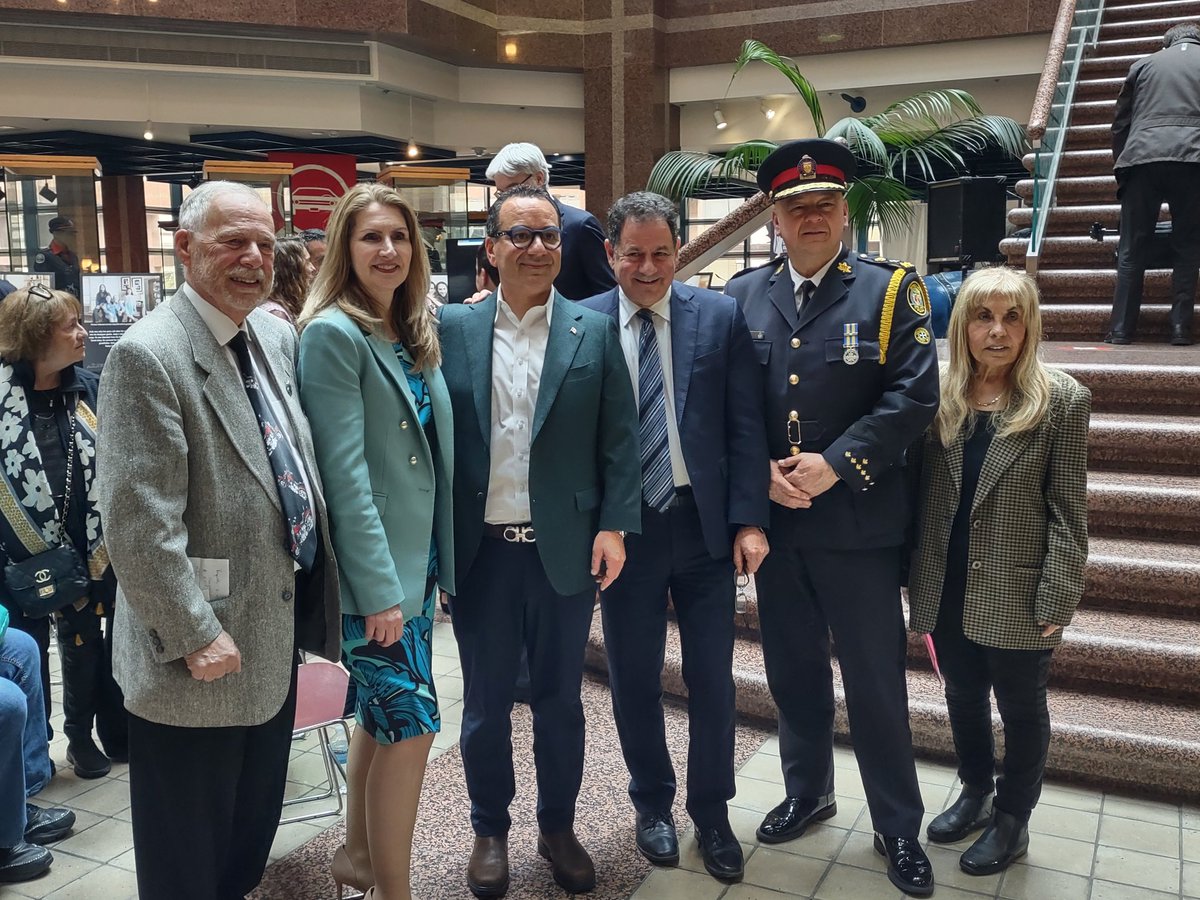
(683, 495)
(514, 534)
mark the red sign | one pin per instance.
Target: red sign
(318, 180)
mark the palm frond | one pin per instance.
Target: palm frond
(948, 144)
(862, 141)
(931, 109)
(879, 198)
(683, 173)
(757, 51)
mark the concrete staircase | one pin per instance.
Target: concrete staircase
(1125, 685)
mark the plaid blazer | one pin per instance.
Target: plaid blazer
(1028, 531)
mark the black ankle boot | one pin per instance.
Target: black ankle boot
(1003, 841)
(970, 812)
(87, 759)
(80, 679)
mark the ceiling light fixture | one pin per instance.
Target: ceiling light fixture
(719, 119)
(768, 110)
(412, 150)
(148, 134)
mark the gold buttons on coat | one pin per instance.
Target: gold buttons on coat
(795, 451)
(404, 423)
(412, 460)
(795, 343)
(794, 416)
(793, 379)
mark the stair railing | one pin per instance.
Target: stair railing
(1076, 30)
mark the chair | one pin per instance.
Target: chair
(320, 701)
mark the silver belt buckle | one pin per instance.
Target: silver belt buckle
(519, 534)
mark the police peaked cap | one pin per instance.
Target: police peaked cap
(809, 165)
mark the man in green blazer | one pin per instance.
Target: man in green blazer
(547, 481)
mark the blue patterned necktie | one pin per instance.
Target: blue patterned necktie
(658, 484)
(301, 541)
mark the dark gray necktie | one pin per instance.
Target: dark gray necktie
(807, 289)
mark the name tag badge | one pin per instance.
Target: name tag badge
(850, 343)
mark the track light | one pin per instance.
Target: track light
(768, 110)
(148, 134)
(47, 193)
(857, 104)
(412, 150)
(719, 118)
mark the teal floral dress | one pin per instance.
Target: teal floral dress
(396, 699)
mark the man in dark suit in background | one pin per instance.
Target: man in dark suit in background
(585, 270)
(1156, 153)
(704, 505)
(546, 483)
(851, 381)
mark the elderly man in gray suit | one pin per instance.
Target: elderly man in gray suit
(217, 530)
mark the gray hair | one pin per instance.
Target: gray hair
(193, 212)
(1180, 32)
(519, 159)
(641, 206)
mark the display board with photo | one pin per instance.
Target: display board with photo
(111, 303)
(17, 281)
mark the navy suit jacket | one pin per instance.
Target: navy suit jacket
(718, 397)
(585, 270)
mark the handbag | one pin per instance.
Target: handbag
(54, 578)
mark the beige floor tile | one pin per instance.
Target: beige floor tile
(294, 790)
(785, 871)
(678, 884)
(444, 665)
(744, 823)
(1061, 855)
(1063, 822)
(106, 882)
(1191, 817)
(771, 746)
(1191, 879)
(1071, 797)
(452, 712)
(690, 859)
(751, 793)
(449, 687)
(102, 842)
(62, 788)
(1147, 837)
(105, 799)
(755, 892)
(308, 769)
(848, 783)
(447, 737)
(124, 861)
(764, 767)
(1023, 882)
(289, 837)
(850, 883)
(1141, 810)
(1109, 890)
(65, 869)
(1156, 873)
(1191, 844)
(859, 850)
(823, 841)
(947, 872)
(936, 773)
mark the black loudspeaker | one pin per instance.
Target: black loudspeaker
(966, 220)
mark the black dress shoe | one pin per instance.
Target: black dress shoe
(570, 864)
(791, 817)
(970, 812)
(657, 840)
(23, 862)
(1115, 337)
(721, 852)
(908, 866)
(1181, 336)
(43, 826)
(87, 759)
(1005, 840)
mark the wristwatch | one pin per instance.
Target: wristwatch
(622, 534)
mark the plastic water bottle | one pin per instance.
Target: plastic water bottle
(338, 746)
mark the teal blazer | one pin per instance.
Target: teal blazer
(585, 470)
(386, 491)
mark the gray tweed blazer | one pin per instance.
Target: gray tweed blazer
(1028, 537)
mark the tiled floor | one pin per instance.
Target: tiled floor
(1086, 845)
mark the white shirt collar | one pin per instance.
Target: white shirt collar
(798, 279)
(502, 304)
(221, 326)
(629, 309)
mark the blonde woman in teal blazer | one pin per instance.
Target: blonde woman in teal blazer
(382, 428)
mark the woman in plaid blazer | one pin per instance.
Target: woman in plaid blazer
(1000, 547)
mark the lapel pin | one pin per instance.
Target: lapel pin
(573, 329)
(288, 388)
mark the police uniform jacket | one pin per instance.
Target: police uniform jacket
(860, 410)
(65, 266)
(1028, 539)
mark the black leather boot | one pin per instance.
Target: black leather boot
(970, 812)
(80, 677)
(1002, 842)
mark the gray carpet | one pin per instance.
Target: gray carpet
(443, 840)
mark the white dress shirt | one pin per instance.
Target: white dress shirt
(518, 351)
(631, 336)
(798, 279)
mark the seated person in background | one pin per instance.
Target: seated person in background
(24, 762)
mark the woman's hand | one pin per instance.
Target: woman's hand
(1048, 629)
(385, 628)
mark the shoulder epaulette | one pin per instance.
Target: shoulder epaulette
(890, 263)
(778, 262)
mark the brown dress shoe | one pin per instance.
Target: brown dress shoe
(572, 867)
(487, 872)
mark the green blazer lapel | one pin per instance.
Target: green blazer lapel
(226, 396)
(443, 417)
(385, 355)
(566, 331)
(478, 329)
(1002, 453)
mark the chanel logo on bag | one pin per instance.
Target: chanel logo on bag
(41, 576)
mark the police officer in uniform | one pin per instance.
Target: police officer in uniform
(59, 257)
(851, 380)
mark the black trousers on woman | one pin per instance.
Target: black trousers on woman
(1018, 677)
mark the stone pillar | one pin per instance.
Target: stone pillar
(124, 200)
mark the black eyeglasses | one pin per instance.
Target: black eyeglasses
(522, 237)
(39, 290)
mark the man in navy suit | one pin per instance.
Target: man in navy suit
(705, 475)
(585, 270)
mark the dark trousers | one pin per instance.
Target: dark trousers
(506, 602)
(972, 671)
(1143, 191)
(669, 555)
(804, 593)
(206, 804)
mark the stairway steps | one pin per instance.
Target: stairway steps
(1076, 220)
(1094, 112)
(1073, 285)
(1078, 162)
(1142, 378)
(1109, 741)
(1063, 252)
(1151, 443)
(1150, 28)
(1089, 137)
(1099, 88)
(1141, 505)
(1088, 322)
(1094, 189)
(1167, 9)
(1143, 576)
(1109, 66)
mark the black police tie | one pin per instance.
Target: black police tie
(658, 483)
(807, 288)
(301, 541)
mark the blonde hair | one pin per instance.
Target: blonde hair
(27, 322)
(337, 285)
(1029, 379)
